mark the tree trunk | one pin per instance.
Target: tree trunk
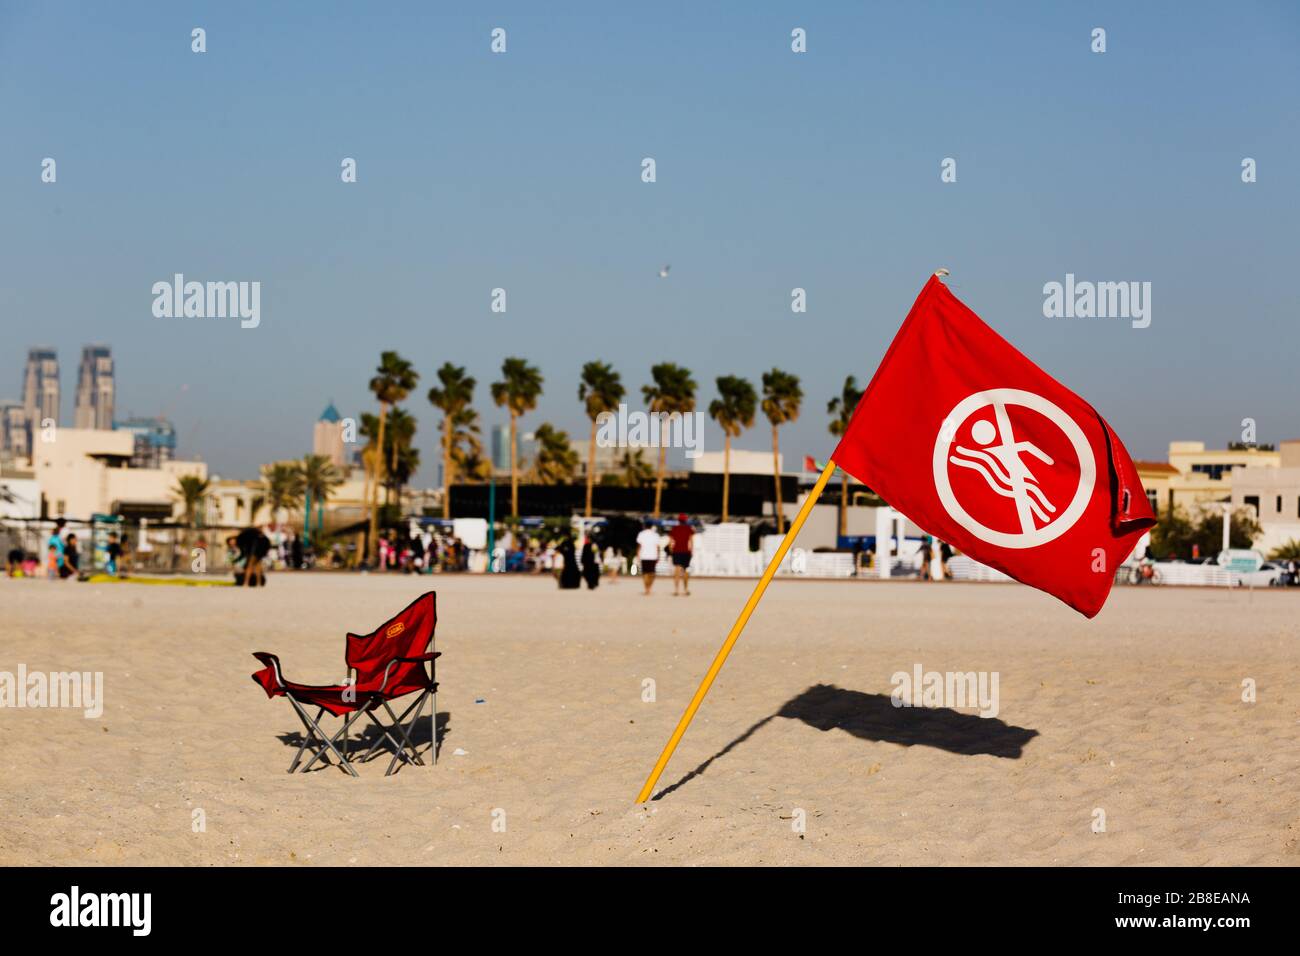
(514, 470)
(659, 476)
(726, 473)
(776, 472)
(372, 547)
(446, 464)
(591, 465)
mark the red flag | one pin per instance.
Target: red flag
(983, 449)
(809, 463)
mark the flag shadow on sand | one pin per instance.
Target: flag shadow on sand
(874, 717)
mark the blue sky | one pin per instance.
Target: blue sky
(522, 171)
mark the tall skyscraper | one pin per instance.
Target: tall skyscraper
(327, 437)
(40, 392)
(95, 389)
(499, 448)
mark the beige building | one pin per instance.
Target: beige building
(1274, 495)
(82, 472)
(1195, 475)
(230, 503)
(743, 462)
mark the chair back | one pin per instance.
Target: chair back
(373, 657)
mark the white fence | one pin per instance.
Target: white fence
(1187, 575)
(1194, 575)
(798, 563)
(968, 569)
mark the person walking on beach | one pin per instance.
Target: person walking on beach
(590, 564)
(253, 547)
(71, 558)
(681, 540)
(570, 578)
(114, 555)
(55, 544)
(647, 554)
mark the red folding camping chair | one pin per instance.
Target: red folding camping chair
(384, 665)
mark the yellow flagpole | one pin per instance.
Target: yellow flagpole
(804, 511)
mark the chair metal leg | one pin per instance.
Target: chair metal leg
(307, 737)
(327, 743)
(383, 735)
(401, 725)
(347, 722)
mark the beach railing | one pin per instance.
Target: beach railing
(964, 568)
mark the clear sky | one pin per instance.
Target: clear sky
(523, 171)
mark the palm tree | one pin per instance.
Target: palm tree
(401, 457)
(673, 391)
(393, 381)
(733, 409)
(518, 391)
(602, 391)
(841, 408)
(1288, 550)
(556, 460)
(781, 398)
(284, 487)
(257, 503)
(634, 470)
(452, 397)
(319, 478)
(467, 448)
(190, 491)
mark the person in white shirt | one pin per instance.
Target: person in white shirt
(647, 555)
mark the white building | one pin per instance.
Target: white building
(1274, 495)
(82, 472)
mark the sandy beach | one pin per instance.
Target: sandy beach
(1138, 714)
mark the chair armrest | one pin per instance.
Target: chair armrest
(273, 662)
(421, 658)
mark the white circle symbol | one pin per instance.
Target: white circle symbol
(983, 432)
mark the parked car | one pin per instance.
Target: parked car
(1270, 574)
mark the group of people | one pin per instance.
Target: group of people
(680, 546)
(927, 559)
(62, 556)
(421, 553)
(571, 574)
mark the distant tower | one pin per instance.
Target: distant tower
(95, 389)
(327, 439)
(40, 392)
(13, 429)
